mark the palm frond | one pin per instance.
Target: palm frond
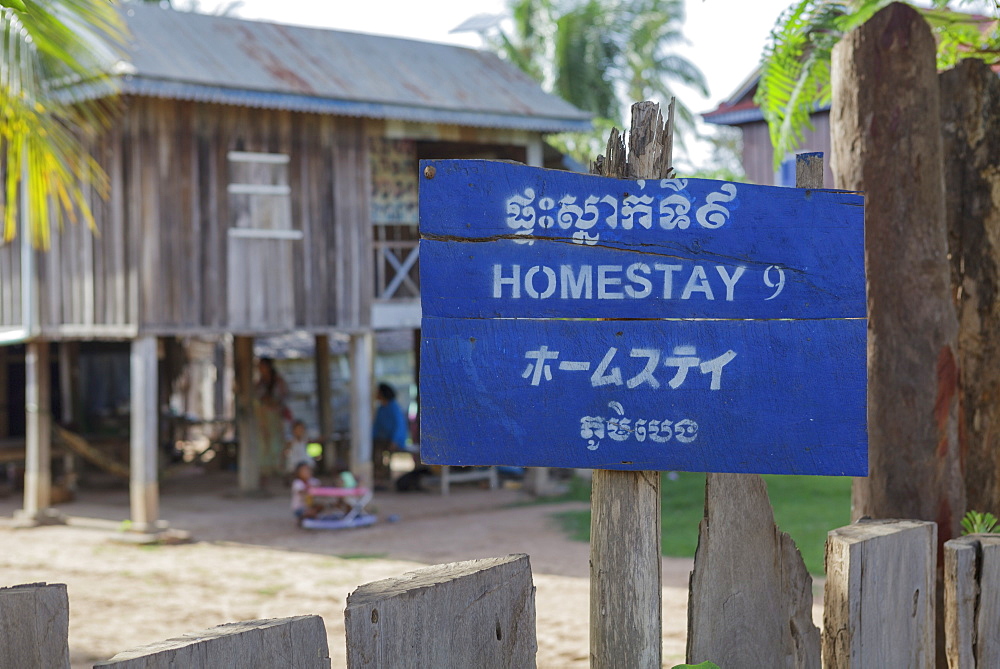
(47, 45)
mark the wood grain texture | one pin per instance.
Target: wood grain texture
(162, 262)
(34, 626)
(970, 98)
(880, 595)
(297, 643)
(887, 142)
(751, 613)
(750, 602)
(791, 400)
(478, 613)
(626, 612)
(625, 581)
(972, 601)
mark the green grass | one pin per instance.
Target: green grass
(807, 507)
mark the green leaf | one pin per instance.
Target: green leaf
(975, 522)
(795, 64)
(703, 665)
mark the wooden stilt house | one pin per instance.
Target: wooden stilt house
(263, 180)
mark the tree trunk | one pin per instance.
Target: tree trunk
(970, 96)
(886, 141)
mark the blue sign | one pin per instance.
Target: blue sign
(739, 332)
(522, 242)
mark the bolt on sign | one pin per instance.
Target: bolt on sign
(573, 320)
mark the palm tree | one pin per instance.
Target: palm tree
(47, 46)
(600, 56)
(795, 65)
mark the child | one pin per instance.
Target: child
(300, 492)
(296, 450)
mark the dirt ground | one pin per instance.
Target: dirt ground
(248, 560)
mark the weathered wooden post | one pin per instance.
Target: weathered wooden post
(38, 440)
(626, 609)
(754, 612)
(247, 430)
(34, 626)
(478, 613)
(638, 325)
(972, 601)
(970, 98)
(144, 442)
(886, 141)
(325, 409)
(880, 595)
(298, 642)
(362, 360)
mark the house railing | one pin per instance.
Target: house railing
(396, 268)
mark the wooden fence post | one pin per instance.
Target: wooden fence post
(626, 626)
(972, 601)
(751, 612)
(479, 613)
(880, 595)
(886, 141)
(34, 626)
(970, 97)
(297, 643)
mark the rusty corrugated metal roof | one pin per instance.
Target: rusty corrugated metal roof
(251, 63)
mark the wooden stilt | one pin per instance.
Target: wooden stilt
(246, 424)
(4, 395)
(362, 354)
(38, 457)
(144, 490)
(325, 409)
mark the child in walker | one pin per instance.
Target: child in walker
(301, 505)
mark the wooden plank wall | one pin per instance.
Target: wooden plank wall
(758, 154)
(10, 283)
(160, 261)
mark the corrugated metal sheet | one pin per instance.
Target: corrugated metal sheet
(219, 59)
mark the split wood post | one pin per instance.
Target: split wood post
(298, 643)
(626, 627)
(144, 489)
(324, 409)
(970, 98)
(756, 612)
(880, 595)
(247, 430)
(478, 613)
(362, 360)
(34, 626)
(38, 428)
(972, 601)
(886, 141)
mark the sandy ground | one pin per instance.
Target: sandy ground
(249, 561)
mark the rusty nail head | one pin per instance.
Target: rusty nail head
(429, 171)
